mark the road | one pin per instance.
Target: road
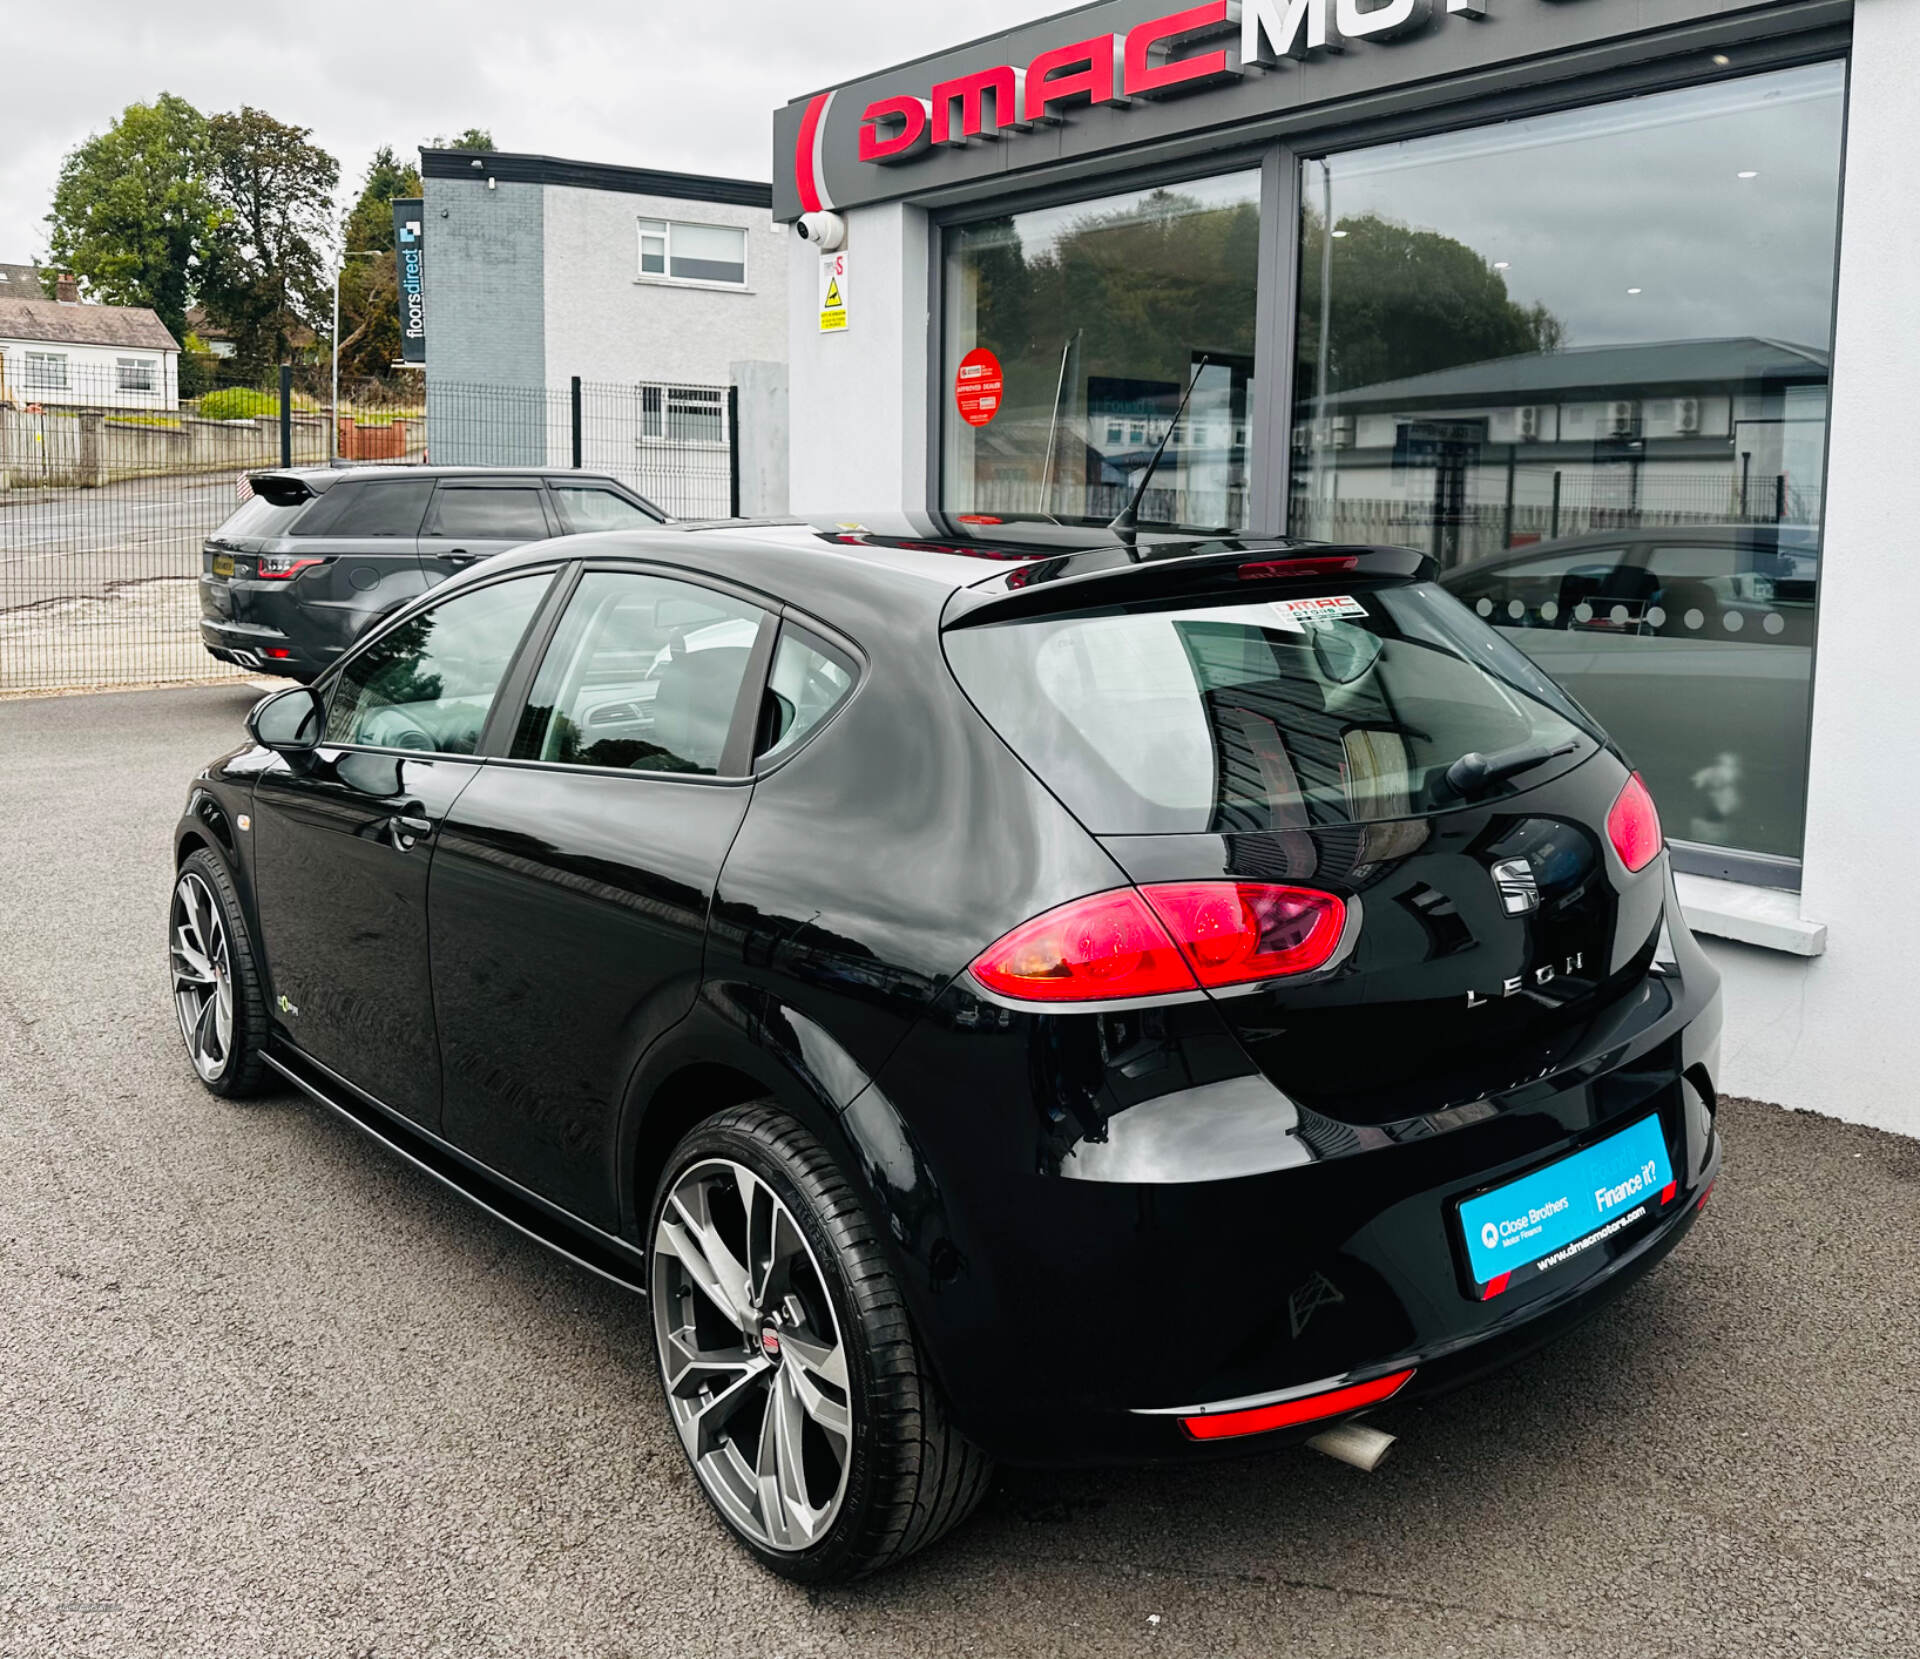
(265, 1391)
(99, 586)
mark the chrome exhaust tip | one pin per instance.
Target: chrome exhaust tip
(1354, 1443)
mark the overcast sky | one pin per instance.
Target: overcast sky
(647, 83)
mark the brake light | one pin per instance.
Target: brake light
(281, 567)
(1309, 1408)
(1164, 938)
(1633, 826)
(1319, 564)
(1233, 932)
(1109, 945)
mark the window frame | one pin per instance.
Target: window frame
(30, 381)
(327, 684)
(149, 366)
(657, 408)
(444, 486)
(666, 278)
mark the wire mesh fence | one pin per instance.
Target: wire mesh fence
(111, 483)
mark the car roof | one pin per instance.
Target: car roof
(799, 561)
(321, 479)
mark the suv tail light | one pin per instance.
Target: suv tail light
(1633, 826)
(282, 567)
(1168, 937)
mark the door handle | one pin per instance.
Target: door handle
(460, 556)
(407, 828)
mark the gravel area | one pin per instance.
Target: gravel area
(265, 1391)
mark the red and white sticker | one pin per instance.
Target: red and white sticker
(977, 387)
(1296, 614)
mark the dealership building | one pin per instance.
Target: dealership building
(1609, 305)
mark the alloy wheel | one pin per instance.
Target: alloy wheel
(752, 1356)
(202, 976)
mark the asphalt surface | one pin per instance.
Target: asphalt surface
(266, 1391)
(102, 586)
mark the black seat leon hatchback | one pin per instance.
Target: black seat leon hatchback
(922, 967)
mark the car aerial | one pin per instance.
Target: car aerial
(314, 556)
(1054, 997)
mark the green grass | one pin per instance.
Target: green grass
(170, 422)
(240, 403)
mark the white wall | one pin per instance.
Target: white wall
(859, 411)
(1841, 1033)
(604, 323)
(91, 375)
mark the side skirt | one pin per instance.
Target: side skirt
(587, 1247)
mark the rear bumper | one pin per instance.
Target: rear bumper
(1085, 1312)
(258, 649)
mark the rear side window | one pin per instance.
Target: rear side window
(1237, 715)
(585, 510)
(379, 507)
(810, 679)
(498, 514)
(644, 674)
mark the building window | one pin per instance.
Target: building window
(135, 374)
(1603, 411)
(684, 414)
(674, 252)
(1100, 314)
(46, 371)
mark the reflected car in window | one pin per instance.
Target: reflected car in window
(314, 556)
(1693, 646)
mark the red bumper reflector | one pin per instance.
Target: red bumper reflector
(1706, 1195)
(1667, 1192)
(1309, 1408)
(1495, 1286)
(276, 653)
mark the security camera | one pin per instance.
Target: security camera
(826, 231)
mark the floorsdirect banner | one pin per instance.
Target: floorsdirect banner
(409, 255)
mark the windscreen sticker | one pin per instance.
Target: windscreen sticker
(1298, 614)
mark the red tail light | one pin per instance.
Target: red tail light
(283, 567)
(1174, 936)
(1318, 564)
(1633, 826)
(1225, 1425)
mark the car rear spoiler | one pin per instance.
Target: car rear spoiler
(1107, 576)
(281, 489)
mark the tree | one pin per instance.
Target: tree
(133, 209)
(267, 278)
(1406, 302)
(369, 288)
(474, 138)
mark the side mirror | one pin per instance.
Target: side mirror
(290, 722)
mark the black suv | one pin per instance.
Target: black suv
(313, 556)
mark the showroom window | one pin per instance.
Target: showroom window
(1094, 317)
(1582, 359)
(673, 252)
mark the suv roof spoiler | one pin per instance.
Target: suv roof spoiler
(1112, 575)
(281, 489)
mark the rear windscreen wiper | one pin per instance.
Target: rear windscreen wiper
(1474, 773)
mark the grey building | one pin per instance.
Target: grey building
(648, 286)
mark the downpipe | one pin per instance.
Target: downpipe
(1355, 1443)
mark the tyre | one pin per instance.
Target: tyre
(787, 1359)
(216, 982)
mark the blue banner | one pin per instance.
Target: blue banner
(410, 260)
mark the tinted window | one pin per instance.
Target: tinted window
(810, 679)
(644, 674)
(258, 519)
(585, 510)
(503, 513)
(388, 507)
(428, 683)
(1260, 716)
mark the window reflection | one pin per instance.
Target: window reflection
(1099, 315)
(1583, 361)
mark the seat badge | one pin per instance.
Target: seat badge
(1519, 892)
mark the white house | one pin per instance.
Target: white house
(61, 353)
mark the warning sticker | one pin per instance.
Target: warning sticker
(977, 387)
(833, 292)
(1296, 614)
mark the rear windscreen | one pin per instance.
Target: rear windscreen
(1263, 715)
(257, 519)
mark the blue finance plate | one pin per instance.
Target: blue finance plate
(1555, 1213)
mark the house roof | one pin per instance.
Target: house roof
(20, 279)
(82, 325)
(1599, 371)
(514, 168)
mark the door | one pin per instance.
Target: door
(470, 521)
(343, 844)
(571, 888)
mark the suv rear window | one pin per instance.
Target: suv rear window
(257, 519)
(378, 507)
(1262, 715)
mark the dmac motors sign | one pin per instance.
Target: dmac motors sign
(1129, 73)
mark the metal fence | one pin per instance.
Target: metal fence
(110, 483)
